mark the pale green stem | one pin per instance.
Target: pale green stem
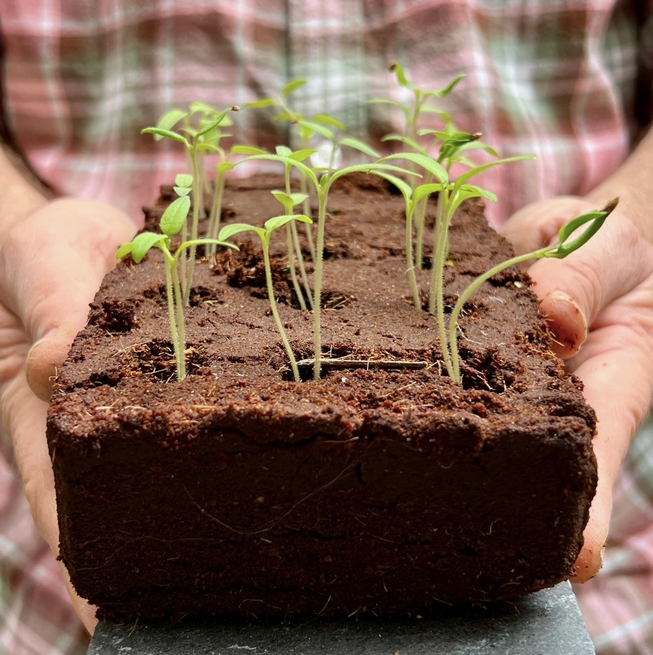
(198, 198)
(291, 264)
(180, 323)
(421, 218)
(436, 297)
(465, 295)
(275, 313)
(300, 262)
(306, 205)
(216, 210)
(171, 314)
(317, 297)
(298, 249)
(409, 255)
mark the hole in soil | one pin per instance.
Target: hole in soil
(114, 315)
(156, 359)
(199, 295)
(245, 268)
(486, 371)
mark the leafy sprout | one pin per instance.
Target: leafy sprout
(265, 234)
(306, 128)
(171, 222)
(559, 250)
(198, 141)
(322, 186)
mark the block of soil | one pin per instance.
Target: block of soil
(380, 488)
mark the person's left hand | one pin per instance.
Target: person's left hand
(598, 303)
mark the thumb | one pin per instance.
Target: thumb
(54, 263)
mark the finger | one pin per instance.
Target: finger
(573, 290)
(53, 264)
(615, 366)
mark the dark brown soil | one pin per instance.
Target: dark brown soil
(240, 491)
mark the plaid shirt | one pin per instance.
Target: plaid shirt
(566, 80)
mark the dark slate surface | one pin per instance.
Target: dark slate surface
(545, 623)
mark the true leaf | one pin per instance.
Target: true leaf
(224, 166)
(284, 151)
(184, 180)
(174, 216)
(182, 190)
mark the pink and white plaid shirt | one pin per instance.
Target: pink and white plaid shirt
(566, 80)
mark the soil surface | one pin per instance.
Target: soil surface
(375, 489)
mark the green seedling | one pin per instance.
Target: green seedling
(452, 195)
(420, 104)
(306, 128)
(225, 165)
(322, 187)
(564, 246)
(289, 201)
(265, 234)
(170, 224)
(194, 144)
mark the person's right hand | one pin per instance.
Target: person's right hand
(51, 264)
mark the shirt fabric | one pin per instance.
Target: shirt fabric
(566, 80)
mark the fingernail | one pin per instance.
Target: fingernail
(566, 321)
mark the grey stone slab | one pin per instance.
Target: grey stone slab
(545, 623)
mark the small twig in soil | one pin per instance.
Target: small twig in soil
(384, 364)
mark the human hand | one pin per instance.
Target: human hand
(51, 264)
(601, 298)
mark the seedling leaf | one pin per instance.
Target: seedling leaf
(182, 190)
(445, 91)
(425, 162)
(213, 124)
(401, 77)
(224, 166)
(140, 246)
(292, 86)
(424, 190)
(283, 151)
(301, 155)
(174, 216)
(404, 139)
(246, 150)
(279, 221)
(170, 119)
(329, 120)
(260, 104)
(231, 230)
(359, 145)
(479, 169)
(168, 134)
(320, 129)
(596, 220)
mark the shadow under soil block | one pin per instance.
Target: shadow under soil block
(376, 489)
